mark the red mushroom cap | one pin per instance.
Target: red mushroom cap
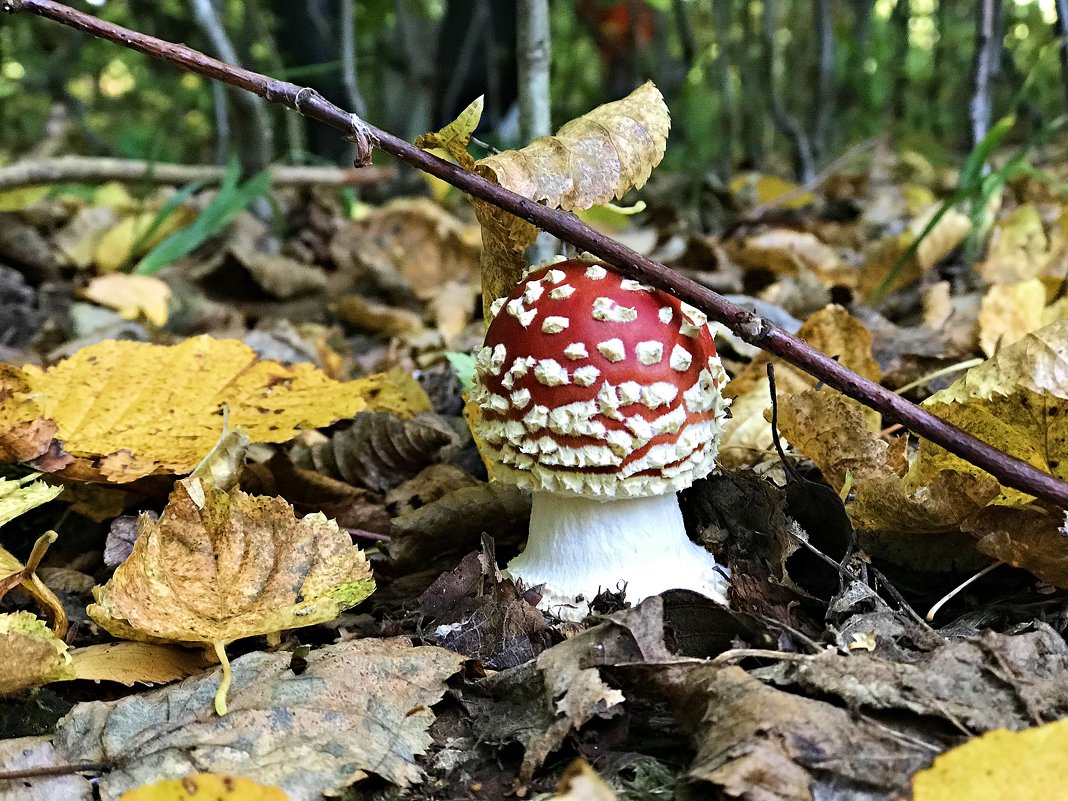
(594, 384)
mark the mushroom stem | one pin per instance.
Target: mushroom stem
(579, 546)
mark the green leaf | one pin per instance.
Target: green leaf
(463, 364)
(230, 201)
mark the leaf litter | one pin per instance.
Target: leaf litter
(824, 680)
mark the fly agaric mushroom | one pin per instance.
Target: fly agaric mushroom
(603, 397)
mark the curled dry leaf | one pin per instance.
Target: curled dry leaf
(30, 654)
(595, 158)
(380, 450)
(217, 567)
(120, 411)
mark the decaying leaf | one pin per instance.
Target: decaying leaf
(123, 410)
(756, 742)
(379, 450)
(999, 765)
(30, 654)
(218, 567)
(883, 257)
(1016, 401)
(205, 787)
(832, 330)
(358, 707)
(1018, 249)
(37, 753)
(1008, 311)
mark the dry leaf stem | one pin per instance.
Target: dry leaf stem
(751, 328)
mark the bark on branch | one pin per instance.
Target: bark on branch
(1010, 471)
(88, 169)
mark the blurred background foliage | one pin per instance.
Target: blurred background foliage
(751, 84)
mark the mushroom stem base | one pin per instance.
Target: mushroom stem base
(579, 546)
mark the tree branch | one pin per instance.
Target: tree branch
(1010, 471)
(89, 169)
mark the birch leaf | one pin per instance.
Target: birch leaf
(205, 787)
(119, 411)
(19, 497)
(217, 567)
(30, 654)
(593, 159)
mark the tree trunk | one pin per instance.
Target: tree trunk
(986, 66)
(721, 68)
(533, 52)
(825, 80)
(804, 166)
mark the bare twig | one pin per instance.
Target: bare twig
(86, 169)
(1010, 471)
(54, 770)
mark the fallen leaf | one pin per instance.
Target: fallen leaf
(1008, 311)
(218, 567)
(358, 707)
(37, 753)
(132, 663)
(884, 256)
(580, 782)
(20, 496)
(1016, 401)
(753, 189)
(30, 654)
(168, 399)
(999, 765)
(1018, 249)
(1030, 538)
(205, 787)
(790, 252)
(131, 296)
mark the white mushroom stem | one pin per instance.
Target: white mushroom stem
(580, 546)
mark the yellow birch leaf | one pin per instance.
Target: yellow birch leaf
(30, 655)
(999, 765)
(129, 238)
(456, 136)
(132, 663)
(205, 787)
(125, 410)
(756, 189)
(19, 497)
(23, 197)
(218, 567)
(131, 296)
(595, 158)
(1018, 249)
(1008, 311)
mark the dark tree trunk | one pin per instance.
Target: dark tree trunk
(986, 67)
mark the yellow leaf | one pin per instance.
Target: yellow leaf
(1016, 401)
(205, 787)
(23, 197)
(998, 766)
(131, 296)
(218, 567)
(595, 158)
(125, 410)
(946, 236)
(789, 252)
(126, 240)
(19, 497)
(1008, 311)
(30, 655)
(132, 663)
(1018, 250)
(755, 189)
(455, 137)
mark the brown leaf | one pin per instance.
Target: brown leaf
(220, 566)
(132, 663)
(1030, 538)
(30, 654)
(358, 707)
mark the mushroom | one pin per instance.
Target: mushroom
(603, 397)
